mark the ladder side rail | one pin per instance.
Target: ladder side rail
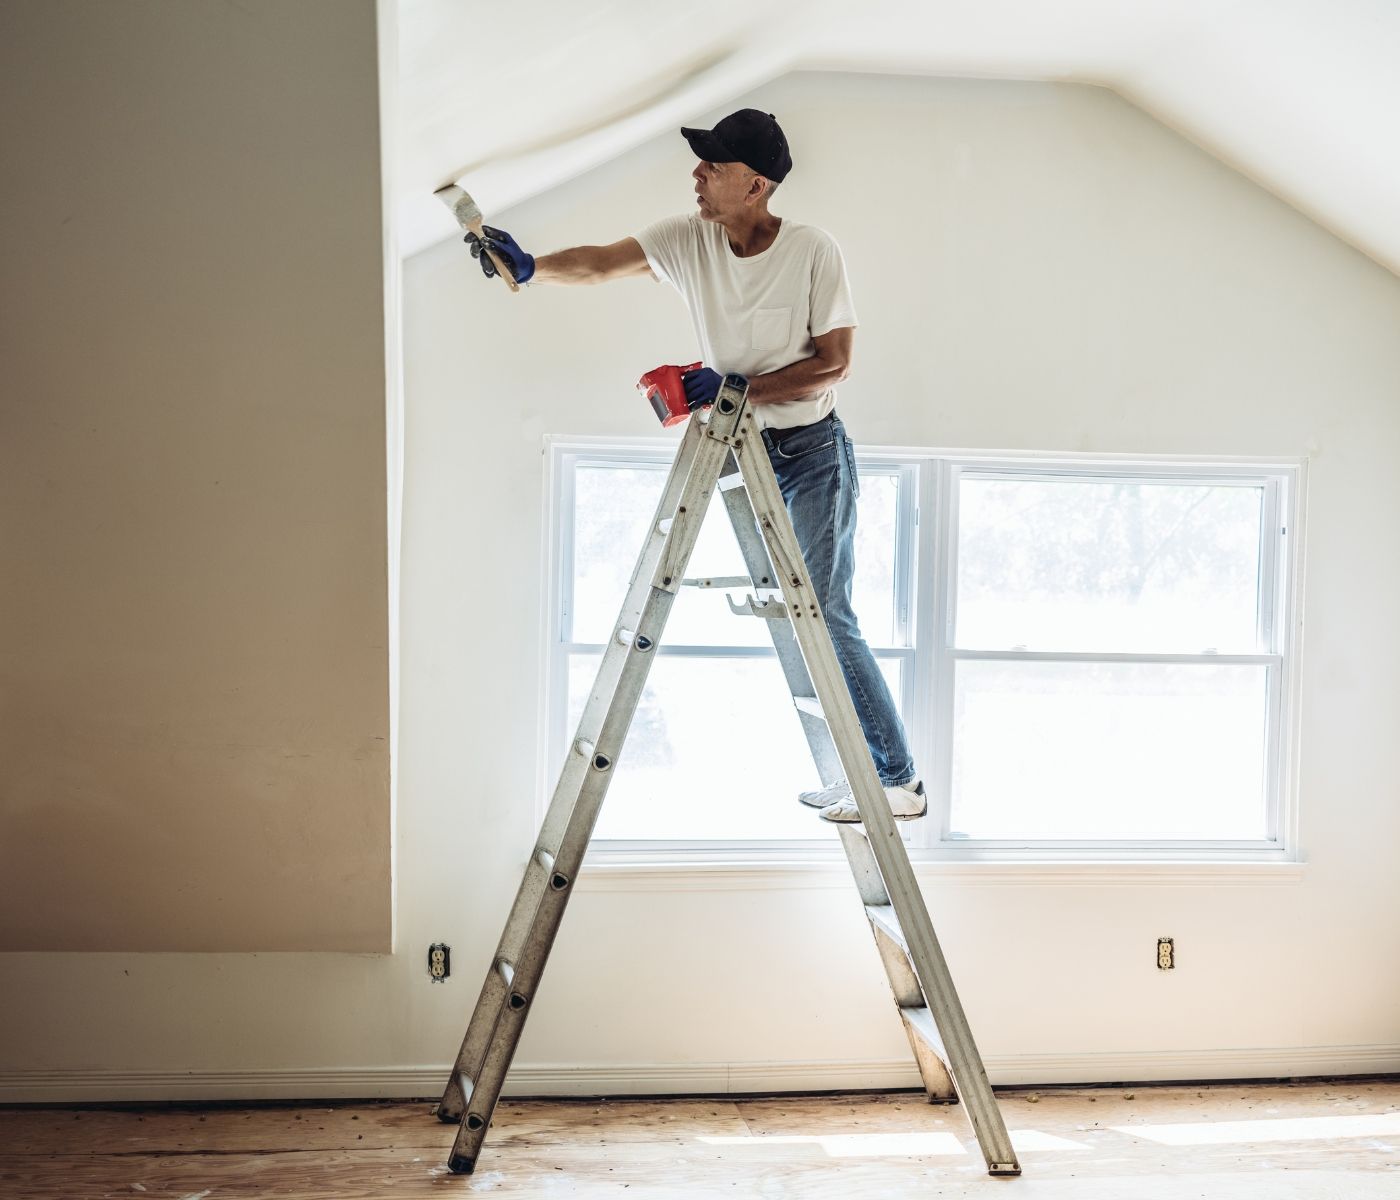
(890, 856)
(903, 981)
(687, 518)
(540, 871)
(617, 653)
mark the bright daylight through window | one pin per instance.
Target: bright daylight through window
(1082, 657)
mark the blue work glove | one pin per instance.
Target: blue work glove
(516, 261)
(701, 387)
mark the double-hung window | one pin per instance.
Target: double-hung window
(1090, 657)
(1109, 656)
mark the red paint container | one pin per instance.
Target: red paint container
(663, 387)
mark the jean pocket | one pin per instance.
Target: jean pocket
(804, 440)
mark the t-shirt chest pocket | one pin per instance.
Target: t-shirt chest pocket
(772, 327)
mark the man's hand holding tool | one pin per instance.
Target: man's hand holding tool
(499, 243)
(701, 386)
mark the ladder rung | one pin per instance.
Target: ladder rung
(464, 1081)
(882, 916)
(727, 483)
(810, 705)
(584, 748)
(506, 971)
(557, 880)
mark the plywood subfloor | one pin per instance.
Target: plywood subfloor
(1335, 1140)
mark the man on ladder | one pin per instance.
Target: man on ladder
(770, 301)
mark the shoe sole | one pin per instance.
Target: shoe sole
(897, 816)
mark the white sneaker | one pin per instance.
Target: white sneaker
(907, 803)
(840, 790)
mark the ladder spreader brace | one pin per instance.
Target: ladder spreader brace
(727, 452)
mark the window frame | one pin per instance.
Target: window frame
(565, 455)
(925, 584)
(1275, 627)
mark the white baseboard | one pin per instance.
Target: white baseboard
(624, 1079)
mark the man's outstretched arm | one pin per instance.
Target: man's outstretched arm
(581, 264)
(592, 264)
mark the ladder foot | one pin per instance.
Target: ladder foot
(461, 1164)
(447, 1116)
(1004, 1169)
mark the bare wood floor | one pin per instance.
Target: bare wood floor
(1336, 1140)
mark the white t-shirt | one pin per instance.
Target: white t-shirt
(757, 314)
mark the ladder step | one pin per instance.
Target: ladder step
(810, 705)
(921, 1021)
(883, 917)
(727, 483)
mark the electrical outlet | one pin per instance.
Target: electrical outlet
(1166, 954)
(439, 961)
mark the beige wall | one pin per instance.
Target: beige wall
(1035, 266)
(193, 611)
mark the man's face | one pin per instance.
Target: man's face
(721, 188)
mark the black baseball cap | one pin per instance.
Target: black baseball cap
(748, 136)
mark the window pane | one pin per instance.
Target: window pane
(1108, 750)
(872, 593)
(613, 507)
(715, 752)
(1107, 566)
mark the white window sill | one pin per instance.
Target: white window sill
(617, 873)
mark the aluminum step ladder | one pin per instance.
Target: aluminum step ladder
(724, 451)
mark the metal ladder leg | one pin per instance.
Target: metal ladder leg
(941, 1028)
(497, 1022)
(904, 985)
(541, 871)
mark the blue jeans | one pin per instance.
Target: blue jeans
(816, 469)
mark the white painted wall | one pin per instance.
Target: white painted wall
(1036, 266)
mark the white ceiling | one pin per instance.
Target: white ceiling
(1303, 96)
